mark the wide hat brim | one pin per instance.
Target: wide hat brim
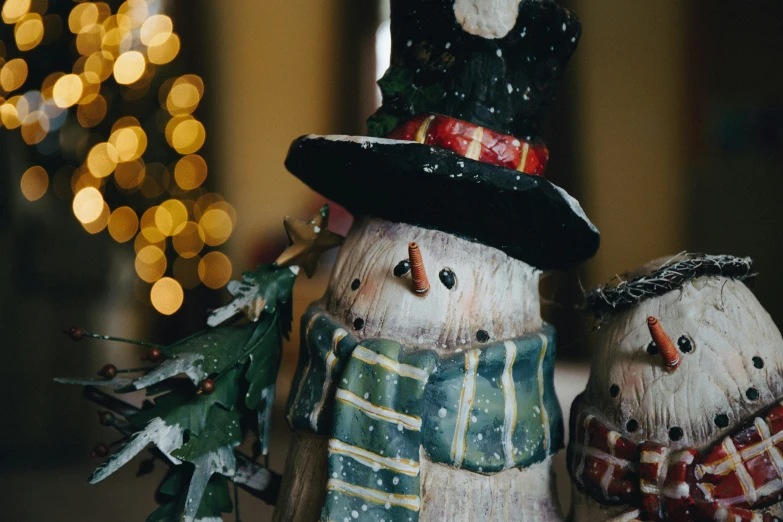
(525, 216)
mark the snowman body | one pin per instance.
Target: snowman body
(423, 408)
(730, 360)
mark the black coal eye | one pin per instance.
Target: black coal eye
(685, 344)
(355, 284)
(448, 278)
(675, 433)
(402, 268)
(758, 362)
(614, 390)
(752, 394)
(652, 348)
(721, 420)
(631, 425)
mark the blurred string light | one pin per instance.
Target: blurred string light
(154, 201)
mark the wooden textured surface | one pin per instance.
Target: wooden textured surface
(304, 480)
(513, 495)
(494, 292)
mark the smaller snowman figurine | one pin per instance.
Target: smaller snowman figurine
(681, 418)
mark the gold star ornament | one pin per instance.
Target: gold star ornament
(308, 241)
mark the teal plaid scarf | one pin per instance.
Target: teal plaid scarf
(379, 402)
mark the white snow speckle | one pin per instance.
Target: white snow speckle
(442, 413)
(499, 52)
(510, 88)
(410, 42)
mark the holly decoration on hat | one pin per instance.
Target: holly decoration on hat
(231, 369)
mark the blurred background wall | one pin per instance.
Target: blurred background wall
(668, 130)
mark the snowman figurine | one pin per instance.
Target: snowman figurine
(681, 417)
(424, 389)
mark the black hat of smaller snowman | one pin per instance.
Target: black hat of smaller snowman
(456, 145)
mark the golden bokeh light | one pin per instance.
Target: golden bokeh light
(189, 241)
(123, 224)
(47, 86)
(170, 217)
(186, 271)
(135, 12)
(117, 40)
(166, 296)
(204, 202)
(82, 16)
(13, 10)
(127, 41)
(35, 127)
(227, 208)
(150, 263)
(156, 180)
(29, 31)
(89, 39)
(163, 48)
(187, 136)
(129, 175)
(9, 116)
(129, 142)
(82, 179)
(96, 226)
(183, 98)
(217, 226)
(35, 182)
(92, 113)
(190, 172)
(101, 64)
(102, 160)
(67, 91)
(129, 67)
(88, 204)
(155, 25)
(214, 270)
(142, 241)
(13, 74)
(91, 86)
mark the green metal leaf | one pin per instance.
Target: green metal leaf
(259, 292)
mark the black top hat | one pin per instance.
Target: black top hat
(462, 102)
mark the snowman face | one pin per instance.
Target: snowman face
(477, 294)
(731, 358)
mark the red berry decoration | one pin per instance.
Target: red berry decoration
(153, 355)
(108, 372)
(76, 334)
(100, 450)
(206, 387)
(106, 418)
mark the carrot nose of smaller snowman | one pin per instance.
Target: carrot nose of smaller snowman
(671, 358)
(421, 285)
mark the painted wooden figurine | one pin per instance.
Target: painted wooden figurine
(680, 419)
(424, 389)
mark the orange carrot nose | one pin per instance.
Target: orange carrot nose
(421, 285)
(671, 358)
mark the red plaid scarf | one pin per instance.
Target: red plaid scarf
(740, 473)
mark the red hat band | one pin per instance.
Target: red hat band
(474, 142)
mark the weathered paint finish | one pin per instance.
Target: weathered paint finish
(516, 494)
(483, 410)
(494, 292)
